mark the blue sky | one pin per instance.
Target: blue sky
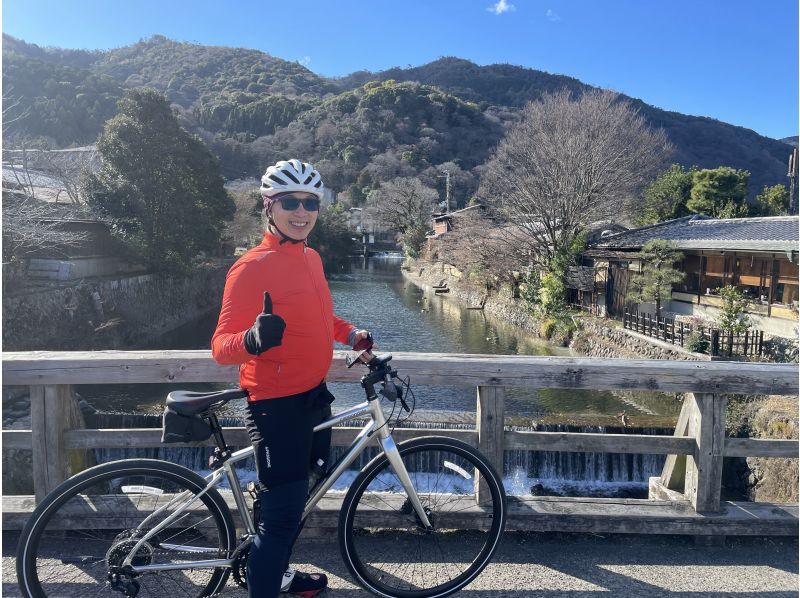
(734, 60)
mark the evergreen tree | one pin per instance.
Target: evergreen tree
(332, 237)
(658, 273)
(773, 201)
(719, 192)
(665, 198)
(158, 186)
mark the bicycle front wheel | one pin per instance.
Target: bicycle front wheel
(77, 541)
(383, 541)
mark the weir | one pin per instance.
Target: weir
(684, 499)
(541, 473)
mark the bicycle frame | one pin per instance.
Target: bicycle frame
(375, 427)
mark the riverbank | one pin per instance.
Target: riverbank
(760, 479)
(109, 313)
(594, 337)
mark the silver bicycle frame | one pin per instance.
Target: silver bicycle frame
(376, 427)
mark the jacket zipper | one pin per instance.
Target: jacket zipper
(319, 297)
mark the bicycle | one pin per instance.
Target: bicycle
(159, 529)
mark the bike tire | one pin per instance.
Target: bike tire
(382, 541)
(64, 552)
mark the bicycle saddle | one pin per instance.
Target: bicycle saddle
(187, 402)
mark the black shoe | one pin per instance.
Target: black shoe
(303, 584)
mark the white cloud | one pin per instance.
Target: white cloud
(501, 7)
(552, 16)
(305, 61)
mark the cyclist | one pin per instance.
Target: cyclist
(277, 323)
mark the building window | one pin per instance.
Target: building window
(714, 276)
(690, 266)
(752, 277)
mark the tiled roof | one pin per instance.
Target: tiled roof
(779, 233)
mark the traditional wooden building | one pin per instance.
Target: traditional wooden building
(757, 255)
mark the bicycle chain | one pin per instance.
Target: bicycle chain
(218, 594)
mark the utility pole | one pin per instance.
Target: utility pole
(792, 174)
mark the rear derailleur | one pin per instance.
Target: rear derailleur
(121, 580)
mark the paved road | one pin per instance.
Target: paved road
(582, 566)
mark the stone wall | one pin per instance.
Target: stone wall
(597, 338)
(119, 313)
(496, 302)
(763, 479)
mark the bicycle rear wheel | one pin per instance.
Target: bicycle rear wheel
(383, 541)
(83, 531)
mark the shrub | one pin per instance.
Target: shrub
(697, 342)
(547, 328)
(563, 331)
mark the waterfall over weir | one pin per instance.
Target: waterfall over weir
(545, 473)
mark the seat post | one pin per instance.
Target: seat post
(216, 428)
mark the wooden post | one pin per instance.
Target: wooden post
(674, 472)
(703, 483)
(681, 334)
(489, 421)
(53, 412)
(744, 350)
(773, 286)
(760, 343)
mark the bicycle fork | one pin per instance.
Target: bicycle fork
(396, 461)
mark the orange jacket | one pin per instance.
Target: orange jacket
(292, 274)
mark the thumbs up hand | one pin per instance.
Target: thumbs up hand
(267, 330)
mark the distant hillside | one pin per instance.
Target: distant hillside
(187, 72)
(250, 107)
(793, 141)
(58, 56)
(699, 141)
(496, 84)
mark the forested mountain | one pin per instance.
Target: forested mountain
(496, 84)
(251, 108)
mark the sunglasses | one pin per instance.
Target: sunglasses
(289, 203)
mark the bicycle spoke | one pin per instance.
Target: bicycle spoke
(111, 513)
(395, 553)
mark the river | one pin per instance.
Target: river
(374, 295)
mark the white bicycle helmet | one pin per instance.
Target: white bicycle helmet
(291, 175)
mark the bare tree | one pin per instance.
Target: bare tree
(30, 225)
(10, 112)
(476, 244)
(405, 205)
(51, 175)
(569, 161)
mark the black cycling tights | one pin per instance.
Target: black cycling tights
(281, 431)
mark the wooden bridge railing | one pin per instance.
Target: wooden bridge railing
(692, 474)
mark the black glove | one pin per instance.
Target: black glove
(266, 332)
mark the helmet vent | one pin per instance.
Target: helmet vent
(278, 180)
(291, 176)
